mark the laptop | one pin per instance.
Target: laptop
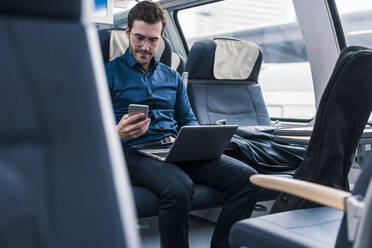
(195, 143)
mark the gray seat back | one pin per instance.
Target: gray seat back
(310, 227)
(62, 174)
(362, 187)
(223, 84)
(365, 239)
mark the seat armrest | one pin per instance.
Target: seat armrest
(310, 191)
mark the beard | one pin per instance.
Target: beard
(143, 57)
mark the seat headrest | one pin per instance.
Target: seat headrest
(224, 58)
(178, 63)
(63, 9)
(114, 43)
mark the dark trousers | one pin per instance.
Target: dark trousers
(174, 183)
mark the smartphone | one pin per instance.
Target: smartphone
(138, 108)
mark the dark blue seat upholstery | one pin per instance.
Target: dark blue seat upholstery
(223, 82)
(61, 170)
(315, 227)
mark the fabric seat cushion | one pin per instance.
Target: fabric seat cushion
(314, 227)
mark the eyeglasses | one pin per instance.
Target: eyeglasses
(140, 40)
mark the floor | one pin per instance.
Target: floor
(199, 237)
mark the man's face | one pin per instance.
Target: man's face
(144, 40)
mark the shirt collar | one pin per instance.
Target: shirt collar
(133, 63)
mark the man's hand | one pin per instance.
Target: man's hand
(131, 127)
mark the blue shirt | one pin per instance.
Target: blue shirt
(161, 88)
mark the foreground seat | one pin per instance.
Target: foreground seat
(223, 82)
(314, 227)
(62, 180)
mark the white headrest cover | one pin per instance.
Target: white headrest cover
(234, 59)
(175, 61)
(160, 50)
(119, 44)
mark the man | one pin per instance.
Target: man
(136, 77)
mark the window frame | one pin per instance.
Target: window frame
(337, 24)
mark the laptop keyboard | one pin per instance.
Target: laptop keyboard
(160, 154)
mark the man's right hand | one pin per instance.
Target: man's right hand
(131, 127)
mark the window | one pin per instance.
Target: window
(356, 20)
(103, 11)
(285, 76)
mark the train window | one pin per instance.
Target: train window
(285, 76)
(356, 20)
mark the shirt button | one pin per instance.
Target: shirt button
(150, 97)
(161, 129)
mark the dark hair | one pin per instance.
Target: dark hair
(148, 12)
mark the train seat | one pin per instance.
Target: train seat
(222, 82)
(312, 227)
(60, 173)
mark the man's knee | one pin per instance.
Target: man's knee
(241, 175)
(240, 170)
(178, 193)
(247, 172)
